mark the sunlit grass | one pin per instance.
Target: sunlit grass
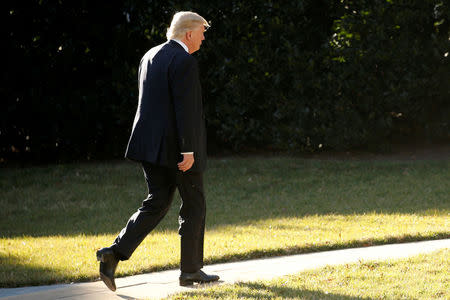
(420, 277)
(53, 218)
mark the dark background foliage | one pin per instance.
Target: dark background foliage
(303, 75)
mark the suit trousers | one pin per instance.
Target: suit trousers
(162, 182)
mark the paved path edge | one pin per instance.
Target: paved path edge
(158, 285)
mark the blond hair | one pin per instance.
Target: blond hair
(183, 22)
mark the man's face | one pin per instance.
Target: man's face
(195, 38)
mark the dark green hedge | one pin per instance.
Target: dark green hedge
(298, 75)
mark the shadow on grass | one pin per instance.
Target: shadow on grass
(14, 268)
(265, 291)
(93, 200)
(99, 198)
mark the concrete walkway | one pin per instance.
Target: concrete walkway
(162, 284)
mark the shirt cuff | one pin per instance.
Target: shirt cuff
(187, 152)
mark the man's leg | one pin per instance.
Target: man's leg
(161, 188)
(192, 220)
(192, 228)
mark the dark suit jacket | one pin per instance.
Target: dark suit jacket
(169, 118)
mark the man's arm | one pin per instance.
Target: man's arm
(183, 86)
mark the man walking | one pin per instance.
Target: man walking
(169, 140)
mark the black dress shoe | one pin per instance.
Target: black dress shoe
(108, 263)
(199, 276)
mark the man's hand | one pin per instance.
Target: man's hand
(186, 164)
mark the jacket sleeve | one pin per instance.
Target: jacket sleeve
(184, 92)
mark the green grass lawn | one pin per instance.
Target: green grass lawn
(53, 218)
(420, 277)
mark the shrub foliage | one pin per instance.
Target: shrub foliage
(301, 75)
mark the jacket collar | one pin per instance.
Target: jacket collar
(177, 44)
